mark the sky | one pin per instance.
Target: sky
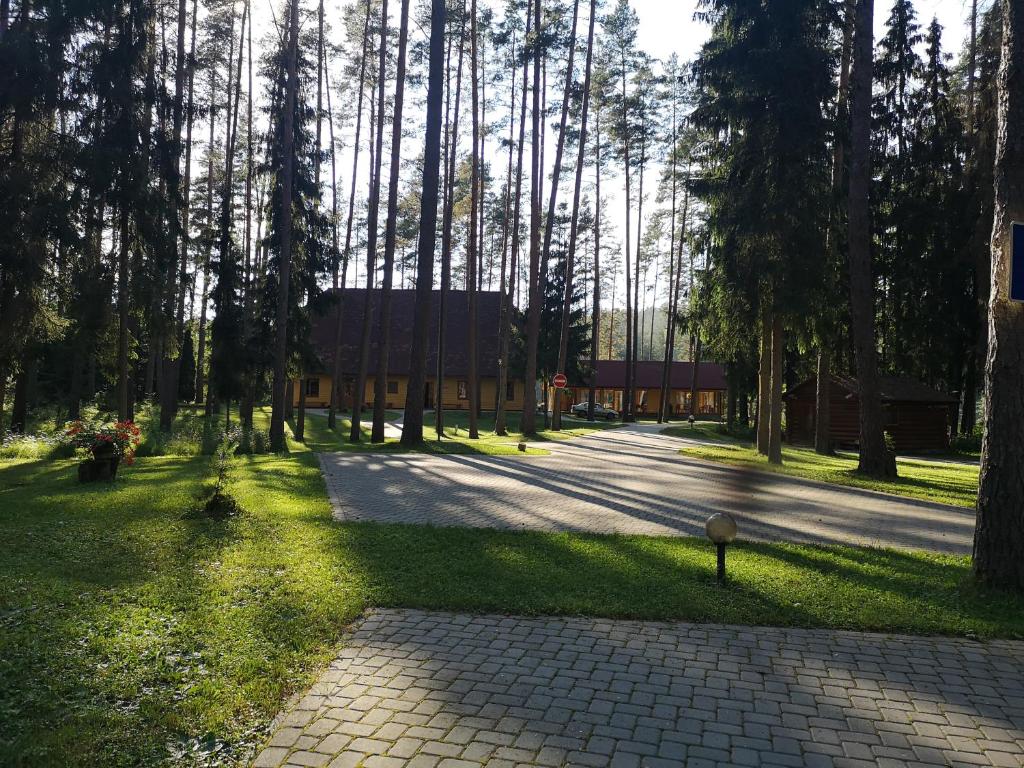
(668, 26)
(665, 27)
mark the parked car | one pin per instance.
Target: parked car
(600, 411)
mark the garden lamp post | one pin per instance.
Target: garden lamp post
(721, 529)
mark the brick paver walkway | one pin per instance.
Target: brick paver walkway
(629, 480)
(437, 690)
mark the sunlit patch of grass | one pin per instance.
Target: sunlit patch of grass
(133, 634)
(456, 438)
(954, 483)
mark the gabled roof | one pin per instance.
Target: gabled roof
(892, 389)
(403, 311)
(611, 374)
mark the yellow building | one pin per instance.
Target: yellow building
(455, 393)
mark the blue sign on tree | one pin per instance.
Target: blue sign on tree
(1017, 261)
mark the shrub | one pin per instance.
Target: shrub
(220, 504)
(968, 443)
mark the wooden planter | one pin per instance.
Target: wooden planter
(102, 465)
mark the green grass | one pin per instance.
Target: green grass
(456, 440)
(130, 633)
(946, 482)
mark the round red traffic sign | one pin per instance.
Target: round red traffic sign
(560, 381)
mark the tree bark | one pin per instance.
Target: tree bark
(339, 325)
(529, 417)
(570, 265)
(446, 235)
(355, 433)
(764, 377)
(508, 306)
(472, 383)
(628, 413)
(412, 424)
(999, 534)
(775, 407)
(380, 381)
(204, 296)
(280, 379)
(822, 406)
(595, 323)
(122, 317)
(875, 460)
(172, 360)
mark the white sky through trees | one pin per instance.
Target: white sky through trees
(665, 27)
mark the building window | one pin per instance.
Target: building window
(510, 390)
(707, 402)
(313, 387)
(392, 387)
(463, 393)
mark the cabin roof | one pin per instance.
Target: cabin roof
(611, 374)
(403, 311)
(892, 389)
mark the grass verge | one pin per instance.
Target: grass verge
(945, 482)
(131, 634)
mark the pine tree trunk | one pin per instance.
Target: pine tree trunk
(355, 433)
(22, 395)
(280, 377)
(472, 383)
(875, 460)
(595, 323)
(204, 296)
(500, 418)
(822, 406)
(628, 413)
(380, 381)
(336, 374)
(775, 407)
(446, 235)
(695, 377)
(570, 265)
(556, 172)
(764, 377)
(999, 535)
(507, 272)
(247, 402)
(535, 299)
(122, 317)
(412, 424)
(637, 337)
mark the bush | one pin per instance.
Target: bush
(251, 440)
(968, 443)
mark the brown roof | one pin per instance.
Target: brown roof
(403, 304)
(611, 374)
(892, 389)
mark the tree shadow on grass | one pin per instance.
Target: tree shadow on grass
(671, 579)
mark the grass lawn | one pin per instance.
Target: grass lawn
(946, 482)
(131, 633)
(456, 440)
(186, 436)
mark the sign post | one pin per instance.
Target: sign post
(559, 381)
(1017, 261)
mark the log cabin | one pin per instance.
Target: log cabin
(610, 378)
(455, 392)
(916, 417)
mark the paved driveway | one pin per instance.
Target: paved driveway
(629, 480)
(438, 690)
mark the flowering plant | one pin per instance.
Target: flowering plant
(122, 437)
